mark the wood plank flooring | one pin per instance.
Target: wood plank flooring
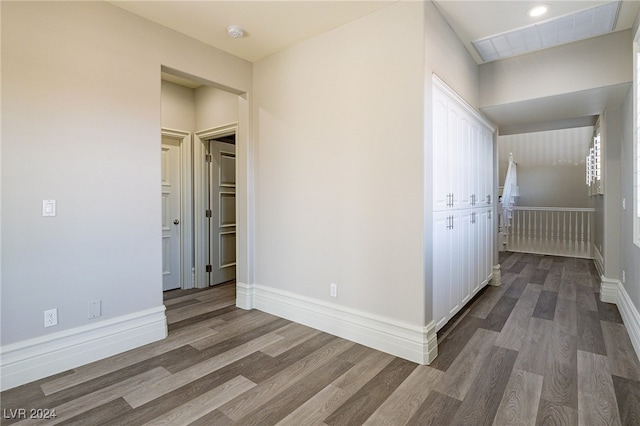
(540, 349)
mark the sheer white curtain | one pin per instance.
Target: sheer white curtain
(510, 190)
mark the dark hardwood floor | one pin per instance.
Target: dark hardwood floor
(540, 349)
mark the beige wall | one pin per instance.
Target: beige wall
(630, 252)
(340, 188)
(339, 165)
(81, 124)
(214, 107)
(343, 127)
(596, 62)
(551, 166)
(559, 186)
(178, 107)
(194, 110)
(612, 132)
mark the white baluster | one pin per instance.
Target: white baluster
(546, 226)
(534, 230)
(582, 233)
(528, 229)
(589, 234)
(558, 231)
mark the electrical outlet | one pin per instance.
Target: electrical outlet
(50, 317)
(333, 290)
(624, 278)
(94, 309)
(624, 204)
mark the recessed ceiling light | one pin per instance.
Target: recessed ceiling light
(536, 11)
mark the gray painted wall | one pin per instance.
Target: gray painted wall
(340, 187)
(630, 252)
(612, 132)
(563, 69)
(551, 166)
(81, 124)
(178, 107)
(194, 110)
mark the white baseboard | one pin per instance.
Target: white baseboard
(36, 358)
(609, 289)
(244, 295)
(630, 317)
(414, 343)
(613, 291)
(598, 259)
(496, 277)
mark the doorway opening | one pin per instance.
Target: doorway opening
(205, 222)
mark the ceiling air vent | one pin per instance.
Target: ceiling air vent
(565, 29)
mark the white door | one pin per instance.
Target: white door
(171, 215)
(446, 270)
(441, 176)
(222, 212)
(465, 254)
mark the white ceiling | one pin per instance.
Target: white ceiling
(271, 26)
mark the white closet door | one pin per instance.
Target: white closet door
(466, 256)
(454, 153)
(446, 271)
(464, 162)
(488, 248)
(441, 160)
(477, 232)
(487, 160)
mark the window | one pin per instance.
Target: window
(594, 164)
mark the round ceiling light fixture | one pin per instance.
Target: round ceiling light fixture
(235, 31)
(537, 11)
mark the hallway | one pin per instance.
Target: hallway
(544, 339)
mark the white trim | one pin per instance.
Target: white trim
(496, 278)
(244, 296)
(36, 358)
(439, 83)
(630, 317)
(598, 259)
(200, 194)
(613, 291)
(186, 215)
(609, 289)
(411, 342)
(556, 209)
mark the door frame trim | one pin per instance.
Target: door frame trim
(186, 214)
(199, 194)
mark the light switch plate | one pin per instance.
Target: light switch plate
(48, 208)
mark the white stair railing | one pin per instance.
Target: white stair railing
(551, 230)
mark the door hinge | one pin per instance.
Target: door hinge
(208, 158)
(209, 268)
(208, 213)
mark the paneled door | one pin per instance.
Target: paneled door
(171, 214)
(447, 274)
(222, 212)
